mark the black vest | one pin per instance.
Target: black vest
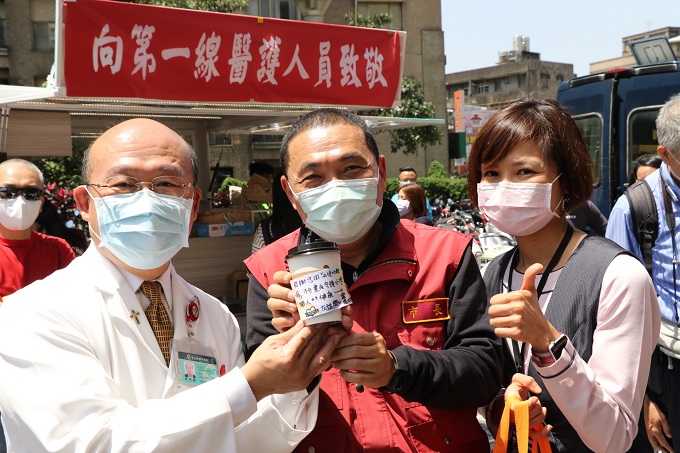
(572, 311)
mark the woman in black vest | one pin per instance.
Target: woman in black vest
(578, 313)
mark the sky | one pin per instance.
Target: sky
(579, 32)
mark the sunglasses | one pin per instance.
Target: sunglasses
(29, 193)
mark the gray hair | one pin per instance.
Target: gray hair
(668, 125)
(26, 164)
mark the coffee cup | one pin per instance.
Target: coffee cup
(320, 291)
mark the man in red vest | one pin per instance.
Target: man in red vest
(421, 355)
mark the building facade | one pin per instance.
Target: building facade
(518, 73)
(626, 59)
(26, 41)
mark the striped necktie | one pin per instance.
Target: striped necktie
(158, 317)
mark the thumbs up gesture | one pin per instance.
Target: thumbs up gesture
(517, 315)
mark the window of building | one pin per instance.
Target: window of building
(369, 9)
(3, 25)
(559, 78)
(43, 36)
(282, 9)
(522, 81)
(482, 88)
(266, 141)
(545, 81)
(219, 138)
(591, 130)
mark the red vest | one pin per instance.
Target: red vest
(418, 263)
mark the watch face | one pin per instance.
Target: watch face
(557, 346)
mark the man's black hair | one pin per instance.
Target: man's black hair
(324, 118)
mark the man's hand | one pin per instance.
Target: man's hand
(289, 361)
(517, 315)
(282, 304)
(520, 386)
(363, 358)
(656, 424)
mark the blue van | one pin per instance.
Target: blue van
(616, 113)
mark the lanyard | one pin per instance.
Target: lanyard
(519, 355)
(666, 192)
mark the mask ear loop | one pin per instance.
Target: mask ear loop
(563, 201)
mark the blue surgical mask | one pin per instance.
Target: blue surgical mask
(341, 211)
(143, 229)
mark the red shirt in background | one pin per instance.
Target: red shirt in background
(23, 262)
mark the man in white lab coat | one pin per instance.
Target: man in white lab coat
(87, 362)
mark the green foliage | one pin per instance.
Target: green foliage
(436, 170)
(229, 181)
(376, 21)
(413, 105)
(434, 186)
(392, 187)
(63, 171)
(62, 175)
(217, 6)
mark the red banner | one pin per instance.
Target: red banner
(124, 50)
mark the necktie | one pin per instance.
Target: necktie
(158, 317)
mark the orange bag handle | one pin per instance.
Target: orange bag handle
(521, 427)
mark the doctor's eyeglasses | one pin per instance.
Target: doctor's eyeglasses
(29, 193)
(164, 185)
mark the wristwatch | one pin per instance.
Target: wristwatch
(557, 346)
(397, 382)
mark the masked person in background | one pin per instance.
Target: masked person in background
(25, 255)
(411, 204)
(107, 338)
(407, 175)
(422, 355)
(578, 313)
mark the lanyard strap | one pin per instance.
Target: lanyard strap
(670, 222)
(522, 428)
(519, 354)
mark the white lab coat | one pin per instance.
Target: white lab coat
(77, 374)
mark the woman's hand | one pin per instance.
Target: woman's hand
(519, 387)
(517, 315)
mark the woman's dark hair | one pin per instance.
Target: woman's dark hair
(416, 197)
(547, 124)
(284, 218)
(646, 160)
(50, 222)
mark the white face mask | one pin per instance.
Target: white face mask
(403, 206)
(341, 211)
(19, 214)
(519, 209)
(143, 229)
